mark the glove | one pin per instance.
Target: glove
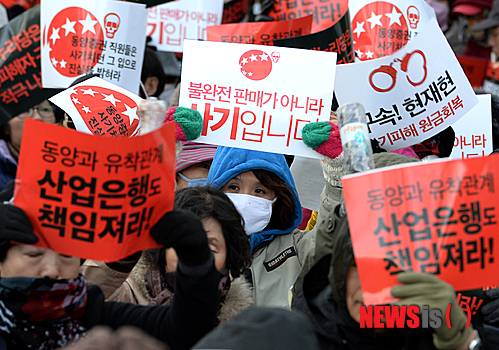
(425, 289)
(15, 225)
(490, 311)
(183, 231)
(188, 123)
(324, 137)
(8, 192)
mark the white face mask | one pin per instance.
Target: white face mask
(256, 211)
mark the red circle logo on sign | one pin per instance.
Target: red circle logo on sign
(379, 29)
(76, 41)
(105, 111)
(255, 64)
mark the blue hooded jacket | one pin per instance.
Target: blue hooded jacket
(230, 162)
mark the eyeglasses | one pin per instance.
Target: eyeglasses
(46, 112)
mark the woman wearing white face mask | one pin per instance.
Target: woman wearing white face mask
(261, 187)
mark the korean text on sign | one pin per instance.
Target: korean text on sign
(170, 24)
(92, 37)
(325, 12)
(258, 32)
(410, 95)
(95, 197)
(438, 218)
(248, 98)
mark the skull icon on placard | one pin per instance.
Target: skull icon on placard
(413, 16)
(275, 56)
(111, 24)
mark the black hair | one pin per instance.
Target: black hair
(58, 114)
(151, 67)
(4, 134)
(4, 248)
(284, 207)
(208, 202)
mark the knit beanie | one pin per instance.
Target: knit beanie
(193, 153)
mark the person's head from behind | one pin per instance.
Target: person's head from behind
(193, 164)
(223, 226)
(152, 76)
(12, 132)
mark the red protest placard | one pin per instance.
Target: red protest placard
(474, 68)
(95, 197)
(438, 218)
(325, 12)
(259, 32)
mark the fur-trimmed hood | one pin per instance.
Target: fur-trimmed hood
(238, 298)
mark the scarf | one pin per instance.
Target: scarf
(40, 313)
(160, 286)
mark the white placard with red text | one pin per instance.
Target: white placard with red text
(410, 95)
(474, 131)
(255, 96)
(380, 28)
(100, 108)
(98, 36)
(169, 24)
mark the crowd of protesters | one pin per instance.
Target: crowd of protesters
(234, 270)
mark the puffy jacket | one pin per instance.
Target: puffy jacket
(277, 254)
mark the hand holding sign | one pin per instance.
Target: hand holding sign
(423, 289)
(324, 137)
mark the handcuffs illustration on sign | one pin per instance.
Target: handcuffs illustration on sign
(392, 72)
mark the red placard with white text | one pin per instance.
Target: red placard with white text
(95, 197)
(259, 32)
(439, 217)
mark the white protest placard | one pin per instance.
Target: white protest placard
(380, 28)
(309, 181)
(101, 108)
(474, 131)
(169, 24)
(98, 36)
(410, 95)
(255, 96)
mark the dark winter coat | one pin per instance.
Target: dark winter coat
(322, 299)
(192, 314)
